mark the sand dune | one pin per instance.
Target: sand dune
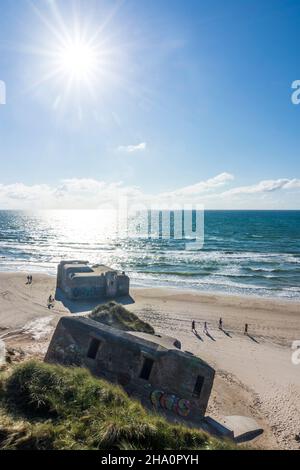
(255, 374)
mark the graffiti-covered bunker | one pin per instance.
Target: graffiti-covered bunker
(150, 368)
(80, 280)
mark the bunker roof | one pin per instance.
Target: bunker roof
(146, 343)
(165, 341)
(88, 270)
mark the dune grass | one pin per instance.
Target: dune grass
(113, 314)
(43, 406)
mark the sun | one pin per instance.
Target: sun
(78, 60)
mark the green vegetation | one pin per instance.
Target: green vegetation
(51, 407)
(113, 314)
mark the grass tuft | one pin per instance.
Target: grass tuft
(113, 314)
(45, 406)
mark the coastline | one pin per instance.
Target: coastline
(164, 286)
(254, 375)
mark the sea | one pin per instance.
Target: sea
(254, 253)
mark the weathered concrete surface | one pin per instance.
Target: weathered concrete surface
(152, 370)
(216, 428)
(242, 427)
(80, 281)
(237, 428)
(163, 340)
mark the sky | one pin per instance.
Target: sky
(165, 101)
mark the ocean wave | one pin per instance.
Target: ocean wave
(234, 259)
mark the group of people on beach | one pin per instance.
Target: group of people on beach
(51, 301)
(205, 328)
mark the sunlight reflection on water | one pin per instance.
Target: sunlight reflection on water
(242, 252)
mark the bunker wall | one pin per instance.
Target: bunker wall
(167, 380)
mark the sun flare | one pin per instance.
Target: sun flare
(78, 60)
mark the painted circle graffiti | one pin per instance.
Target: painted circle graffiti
(183, 407)
(170, 402)
(155, 397)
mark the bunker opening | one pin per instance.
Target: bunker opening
(198, 386)
(147, 368)
(93, 348)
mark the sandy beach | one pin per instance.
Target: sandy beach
(255, 375)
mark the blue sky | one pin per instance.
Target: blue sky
(191, 99)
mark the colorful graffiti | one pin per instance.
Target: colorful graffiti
(86, 292)
(170, 402)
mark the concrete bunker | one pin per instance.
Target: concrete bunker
(150, 368)
(80, 280)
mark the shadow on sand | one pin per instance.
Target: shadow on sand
(81, 306)
(226, 333)
(197, 335)
(210, 336)
(253, 339)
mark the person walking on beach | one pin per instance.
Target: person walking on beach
(27, 280)
(246, 329)
(51, 302)
(193, 326)
(220, 324)
(205, 328)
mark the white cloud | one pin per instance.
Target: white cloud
(203, 186)
(68, 194)
(81, 193)
(133, 148)
(265, 186)
(293, 184)
(21, 192)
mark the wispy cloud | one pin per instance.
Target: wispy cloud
(73, 193)
(80, 193)
(202, 186)
(132, 148)
(266, 186)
